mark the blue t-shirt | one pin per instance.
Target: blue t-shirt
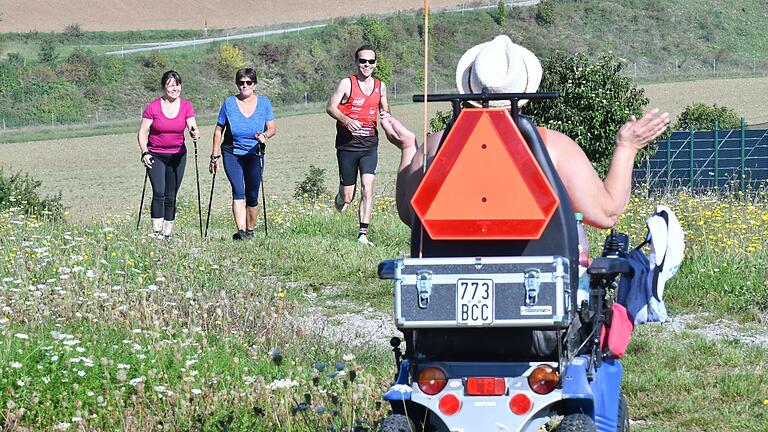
(240, 131)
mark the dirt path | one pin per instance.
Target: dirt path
(113, 15)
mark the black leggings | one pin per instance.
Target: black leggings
(166, 174)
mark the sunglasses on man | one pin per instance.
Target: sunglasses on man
(364, 61)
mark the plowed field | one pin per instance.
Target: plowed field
(113, 15)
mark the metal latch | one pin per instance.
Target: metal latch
(424, 287)
(532, 284)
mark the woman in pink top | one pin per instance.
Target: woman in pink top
(163, 153)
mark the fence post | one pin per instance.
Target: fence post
(717, 154)
(742, 155)
(690, 157)
(669, 160)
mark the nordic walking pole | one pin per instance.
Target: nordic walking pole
(197, 177)
(263, 194)
(143, 191)
(210, 200)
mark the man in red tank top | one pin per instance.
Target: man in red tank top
(356, 105)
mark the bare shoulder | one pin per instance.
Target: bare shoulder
(561, 147)
(345, 85)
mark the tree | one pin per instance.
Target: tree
(501, 13)
(595, 100)
(703, 117)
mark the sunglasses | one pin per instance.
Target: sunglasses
(364, 61)
(244, 83)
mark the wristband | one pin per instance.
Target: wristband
(215, 158)
(142, 155)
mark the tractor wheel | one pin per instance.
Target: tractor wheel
(397, 423)
(622, 422)
(577, 422)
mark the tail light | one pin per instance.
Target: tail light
(477, 386)
(449, 404)
(520, 404)
(432, 380)
(543, 379)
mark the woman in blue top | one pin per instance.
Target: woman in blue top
(245, 123)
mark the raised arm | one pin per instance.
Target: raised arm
(603, 201)
(384, 102)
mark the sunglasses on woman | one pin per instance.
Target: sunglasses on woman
(244, 83)
(364, 61)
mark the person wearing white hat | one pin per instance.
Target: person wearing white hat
(502, 66)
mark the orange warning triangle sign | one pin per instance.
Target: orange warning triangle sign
(484, 183)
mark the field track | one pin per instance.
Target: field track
(113, 15)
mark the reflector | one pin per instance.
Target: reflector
(484, 183)
(478, 386)
(449, 404)
(520, 404)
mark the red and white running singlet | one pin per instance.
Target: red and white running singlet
(363, 108)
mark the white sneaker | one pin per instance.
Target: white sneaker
(363, 239)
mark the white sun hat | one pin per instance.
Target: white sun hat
(501, 66)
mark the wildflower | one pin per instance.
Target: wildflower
(16, 365)
(340, 366)
(348, 357)
(196, 391)
(320, 366)
(282, 384)
(136, 380)
(21, 336)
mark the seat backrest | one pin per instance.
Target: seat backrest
(559, 237)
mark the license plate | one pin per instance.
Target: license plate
(474, 302)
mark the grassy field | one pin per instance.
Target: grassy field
(104, 329)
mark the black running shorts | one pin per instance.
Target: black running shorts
(352, 162)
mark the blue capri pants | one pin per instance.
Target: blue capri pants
(244, 174)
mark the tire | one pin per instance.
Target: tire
(397, 423)
(577, 422)
(622, 421)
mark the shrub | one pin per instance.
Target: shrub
(595, 100)
(73, 31)
(20, 191)
(156, 59)
(703, 117)
(545, 13)
(439, 120)
(313, 185)
(230, 59)
(80, 65)
(9, 79)
(47, 52)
